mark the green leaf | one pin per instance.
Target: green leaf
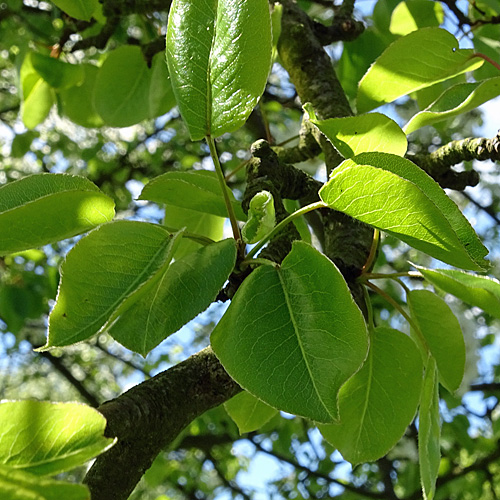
(38, 96)
(429, 431)
(414, 14)
(56, 73)
(248, 412)
(45, 208)
(292, 336)
(48, 438)
(219, 56)
(378, 403)
(480, 291)
(261, 217)
(134, 256)
(20, 485)
(486, 42)
(197, 190)
(357, 55)
(413, 62)
(207, 225)
(454, 101)
(394, 195)
(78, 102)
(171, 303)
(79, 9)
(128, 92)
(363, 133)
(443, 335)
(21, 143)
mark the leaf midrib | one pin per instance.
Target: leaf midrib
(124, 296)
(304, 357)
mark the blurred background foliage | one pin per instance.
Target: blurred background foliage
(61, 130)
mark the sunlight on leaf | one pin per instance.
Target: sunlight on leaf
(292, 336)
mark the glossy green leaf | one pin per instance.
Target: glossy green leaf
(353, 135)
(261, 217)
(134, 256)
(414, 14)
(45, 208)
(455, 101)
(378, 403)
(219, 56)
(56, 73)
(79, 9)
(77, 102)
(48, 438)
(171, 303)
(197, 190)
(20, 485)
(248, 412)
(207, 225)
(480, 291)
(429, 431)
(357, 55)
(128, 92)
(38, 96)
(292, 336)
(394, 195)
(443, 335)
(413, 62)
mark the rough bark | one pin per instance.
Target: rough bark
(148, 417)
(346, 241)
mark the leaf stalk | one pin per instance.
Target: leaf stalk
(282, 224)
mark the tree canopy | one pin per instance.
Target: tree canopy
(249, 249)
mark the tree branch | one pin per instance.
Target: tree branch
(148, 417)
(346, 241)
(438, 164)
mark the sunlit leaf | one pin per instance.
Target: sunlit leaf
(480, 291)
(77, 103)
(442, 333)
(292, 336)
(249, 413)
(219, 56)
(414, 14)
(48, 438)
(57, 73)
(455, 101)
(79, 9)
(378, 402)
(38, 96)
(353, 135)
(413, 62)
(211, 226)
(195, 190)
(188, 287)
(394, 195)
(429, 431)
(104, 274)
(127, 91)
(20, 485)
(45, 208)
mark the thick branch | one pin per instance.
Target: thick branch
(148, 417)
(438, 164)
(347, 242)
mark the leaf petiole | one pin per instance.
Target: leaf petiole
(222, 182)
(403, 313)
(282, 224)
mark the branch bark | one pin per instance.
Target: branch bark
(148, 417)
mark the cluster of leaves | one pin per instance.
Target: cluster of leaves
(293, 337)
